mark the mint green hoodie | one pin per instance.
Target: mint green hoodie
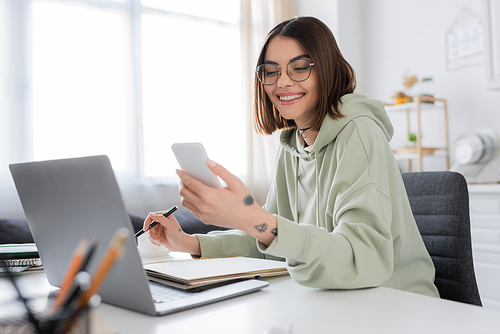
(344, 220)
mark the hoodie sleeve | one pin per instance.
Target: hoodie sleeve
(232, 242)
(358, 252)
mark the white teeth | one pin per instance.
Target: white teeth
(290, 97)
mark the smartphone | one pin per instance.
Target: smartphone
(192, 158)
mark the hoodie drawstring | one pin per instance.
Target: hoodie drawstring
(296, 209)
(316, 164)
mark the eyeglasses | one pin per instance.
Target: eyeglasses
(298, 70)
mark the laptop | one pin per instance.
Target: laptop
(65, 200)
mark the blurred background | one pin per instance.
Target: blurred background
(129, 78)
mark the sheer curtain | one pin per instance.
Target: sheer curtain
(258, 17)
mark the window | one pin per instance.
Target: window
(191, 90)
(79, 96)
(126, 78)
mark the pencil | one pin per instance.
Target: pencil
(74, 268)
(114, 251)
(166, 214)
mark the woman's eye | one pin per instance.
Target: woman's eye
(300, 69)
(271, 73)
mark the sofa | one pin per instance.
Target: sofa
(18, 231)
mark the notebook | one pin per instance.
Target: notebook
(195, 273)
(17, 258)
(67, 199)
(18, 251)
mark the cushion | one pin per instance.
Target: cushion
(14, 231)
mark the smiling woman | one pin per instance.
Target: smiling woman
(337, 210)
(295, 94)
(337, 77)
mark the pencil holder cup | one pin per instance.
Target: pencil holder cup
(14, 319)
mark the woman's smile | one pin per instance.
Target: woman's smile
(290, 98)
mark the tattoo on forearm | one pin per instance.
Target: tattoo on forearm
(274, 231)
(261, 228)
(180, 232)
(248, 200)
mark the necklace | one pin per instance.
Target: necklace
(301, 132)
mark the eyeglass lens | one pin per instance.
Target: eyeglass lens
(298, 70)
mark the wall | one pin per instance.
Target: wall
(383, 39)
(344, 19)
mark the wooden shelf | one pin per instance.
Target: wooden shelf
(413, 150)
(417, 152)
(412, 105)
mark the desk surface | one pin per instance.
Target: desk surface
(290, 308)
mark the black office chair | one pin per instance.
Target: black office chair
(440, 205)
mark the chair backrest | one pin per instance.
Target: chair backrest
(440, 205)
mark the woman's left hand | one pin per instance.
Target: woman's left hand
(232, 206)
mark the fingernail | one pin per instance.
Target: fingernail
(211, 163)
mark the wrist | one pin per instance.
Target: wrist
(192, 245)
(263, 227)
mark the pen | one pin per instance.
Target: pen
(166, 214)
(90, 252)
(81, 283)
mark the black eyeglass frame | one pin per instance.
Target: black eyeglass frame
(278, 69)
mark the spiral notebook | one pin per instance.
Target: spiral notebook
(194, 273)
(16, 258)
(21, 266)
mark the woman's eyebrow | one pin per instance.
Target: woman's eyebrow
(295, 58)
(300, 57)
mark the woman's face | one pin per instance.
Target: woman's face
(294, 100)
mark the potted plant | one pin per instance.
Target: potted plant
(412, 139)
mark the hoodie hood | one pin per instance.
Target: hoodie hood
(352, 106)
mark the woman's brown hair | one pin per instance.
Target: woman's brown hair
(336, 77)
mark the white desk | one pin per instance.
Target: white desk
(286, 305)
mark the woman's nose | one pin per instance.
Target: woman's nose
(284, 79)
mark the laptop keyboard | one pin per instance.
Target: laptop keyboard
(165, 294)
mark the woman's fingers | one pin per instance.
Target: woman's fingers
(223, 173)
(147, 222)
(196, 187)
(167, 232)
(193, 194)
(223, 207)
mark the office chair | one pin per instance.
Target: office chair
(440, 205)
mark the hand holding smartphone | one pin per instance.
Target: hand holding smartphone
(192, 159)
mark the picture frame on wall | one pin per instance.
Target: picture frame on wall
(464, 41)
(491, 16)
